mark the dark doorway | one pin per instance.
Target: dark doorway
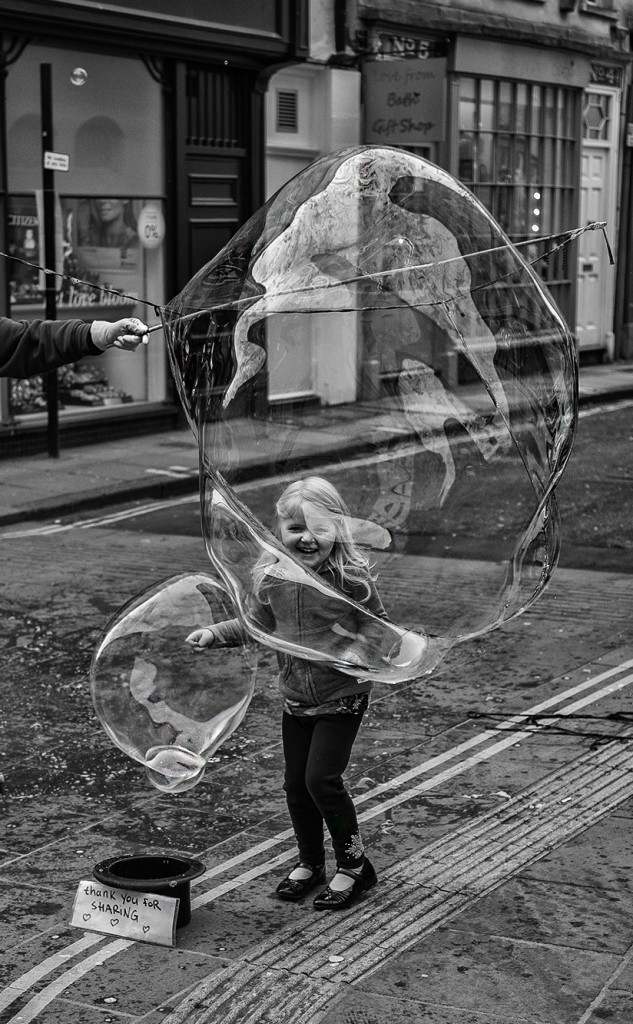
(214, 138)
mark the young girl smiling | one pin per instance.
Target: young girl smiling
(323, 707)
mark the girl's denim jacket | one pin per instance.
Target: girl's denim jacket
(305, 616)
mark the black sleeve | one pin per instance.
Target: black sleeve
(30, 348)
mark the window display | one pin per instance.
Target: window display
(105, 266)
(109, 221)
(102, 254)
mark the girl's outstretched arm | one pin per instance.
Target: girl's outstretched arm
(229, 633)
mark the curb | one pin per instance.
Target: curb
(67, 504)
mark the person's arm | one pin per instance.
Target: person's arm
(232, 632)
(27, 349)
(229, 633)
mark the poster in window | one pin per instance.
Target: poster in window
(102, 256)
(23, 242)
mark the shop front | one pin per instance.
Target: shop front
(157, 146)
(109, 221)
(529, 129)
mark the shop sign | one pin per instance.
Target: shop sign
(404, 101)
(606, 74)
(384, 44)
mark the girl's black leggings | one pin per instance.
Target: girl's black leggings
(317, 750)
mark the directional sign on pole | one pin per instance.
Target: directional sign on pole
(56, 161)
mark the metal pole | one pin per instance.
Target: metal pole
(6, 416)
(48, 187)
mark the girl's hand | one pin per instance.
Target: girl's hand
(410, 650)
(200, 638)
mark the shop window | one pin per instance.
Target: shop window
(518, 152)
(99, 143)
(596, 116)
(110, 258)
(109, 219)
(24, 141)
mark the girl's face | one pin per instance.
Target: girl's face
(308, 535)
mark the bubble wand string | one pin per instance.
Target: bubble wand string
(567, 236)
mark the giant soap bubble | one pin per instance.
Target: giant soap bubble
(372, 324)
(166, 709)
(371, 327)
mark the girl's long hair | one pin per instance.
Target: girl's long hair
(347, 561)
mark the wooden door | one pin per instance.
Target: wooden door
(214, 161)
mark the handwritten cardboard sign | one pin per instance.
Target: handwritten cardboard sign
(405, 101)
(141, 916)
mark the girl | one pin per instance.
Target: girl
(323, 707)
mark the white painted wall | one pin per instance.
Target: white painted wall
(321, 358)
(329, 119)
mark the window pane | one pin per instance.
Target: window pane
(503, 159)
(568, 205)
(505, 120)
(467, 156)
(536, 168)
(484, 192)
(537, 109)
(557, 213)
(521, 107)
(520, 159)
(486, 105)
(533, 214)
(548, 161)
(561, 111)
(596, 116)
(521, 213)
(546, 210)
(484, 162)
(560, 170)
(549, 111)
(467, 104)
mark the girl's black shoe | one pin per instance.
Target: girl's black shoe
(294, 888)
(332, 899)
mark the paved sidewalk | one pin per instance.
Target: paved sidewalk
(166, 464)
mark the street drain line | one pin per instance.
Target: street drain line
(292, 977)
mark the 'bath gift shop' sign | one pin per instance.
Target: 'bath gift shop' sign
(129, 914)
(404, 101)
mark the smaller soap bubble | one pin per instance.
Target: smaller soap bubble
(79, 76)
(165, 705)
